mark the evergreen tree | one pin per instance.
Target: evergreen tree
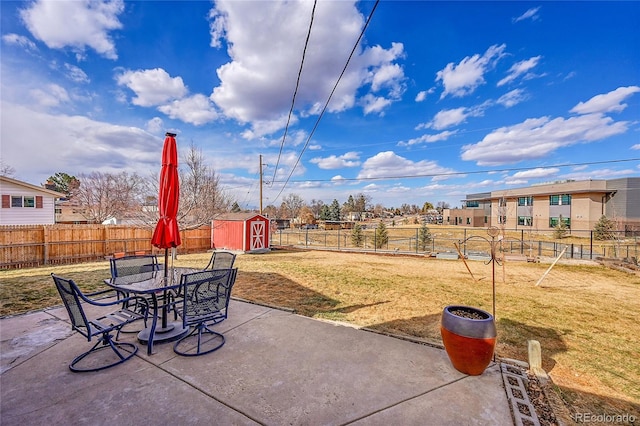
(604, 229)
(424, 237)
(334, 210)
(382, 237)
(325, 212)
(357, 237)
(561, 229)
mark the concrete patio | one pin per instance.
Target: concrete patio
(276, 368)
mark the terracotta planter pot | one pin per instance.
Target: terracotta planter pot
(468, 342)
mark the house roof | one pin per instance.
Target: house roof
(55, 194)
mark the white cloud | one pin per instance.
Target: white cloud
(529, 14)
(452, 117)
(520, 68)
(76, 24)
(155, 125)
(388, 164)
(73, 144)
(463, 79)
(152, 87)
(76, 74)
(537, 137)
(513, 98)
(374, 104)
(51, 95)
(448, 117)
(19, 40)
(422, 95)
(636, 146)
(350, 159)
(442, 136)
(608, 102)
(257, 85)
(539, 172)
(196, 109)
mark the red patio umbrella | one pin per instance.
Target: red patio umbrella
(167, 233)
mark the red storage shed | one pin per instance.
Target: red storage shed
(248, 232)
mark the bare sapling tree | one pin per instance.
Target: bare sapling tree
(201, 195)
(101, 196)
(292, 204)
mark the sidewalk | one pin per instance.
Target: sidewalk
(276, 368)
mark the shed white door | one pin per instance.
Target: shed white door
(257, 237)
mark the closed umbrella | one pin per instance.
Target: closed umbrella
(167, 234)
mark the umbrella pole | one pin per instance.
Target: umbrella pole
(164, 295)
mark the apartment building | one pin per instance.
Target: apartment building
(579, 204)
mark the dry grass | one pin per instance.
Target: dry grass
(585, 317)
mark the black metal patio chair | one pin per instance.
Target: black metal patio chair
(221, 260)
(131, 265)
(205, 303)
(102, 327)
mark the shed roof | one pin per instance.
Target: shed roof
(238, 216)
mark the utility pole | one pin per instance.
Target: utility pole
(260, 183)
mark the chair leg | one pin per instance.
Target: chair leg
(124, 351)
(185, 347)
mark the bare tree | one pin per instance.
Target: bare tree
(6, 170)
(103, 195)
(293, 203)
(201, 195)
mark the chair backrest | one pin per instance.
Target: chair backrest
(207, 294)
(70, 294)
(131, 265)
(221, 260)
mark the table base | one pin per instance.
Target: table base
(174, 331)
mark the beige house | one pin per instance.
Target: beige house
(579, 204)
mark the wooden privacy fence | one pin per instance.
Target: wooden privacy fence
(33, 245)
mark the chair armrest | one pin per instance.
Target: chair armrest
(113, 302)
(101, 292)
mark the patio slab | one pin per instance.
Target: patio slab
(275, 368)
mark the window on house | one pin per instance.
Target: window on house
(468, 221)
(16, 201)
(560, 200)
(502, 219)
(486, 219)
(29, 202)
(553, 221)
(473, 204)
(502, 202)
(525, 220)
(525, 201)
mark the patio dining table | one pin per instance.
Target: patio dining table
(156, 285)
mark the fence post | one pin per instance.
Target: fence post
(571, 250)
(338, 238)
(522, 241)
(591, 245)
(45, 242)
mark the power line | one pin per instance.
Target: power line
(326, 105)
(295, 92)
(475, 172)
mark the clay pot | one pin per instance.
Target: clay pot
(469, 342)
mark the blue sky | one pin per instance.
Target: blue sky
(440, 99)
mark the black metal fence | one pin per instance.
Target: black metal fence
(465, 241)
